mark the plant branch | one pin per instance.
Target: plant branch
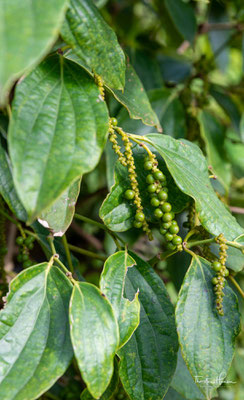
(237, 286)
(237, 210)
(86, 253)
(67, 253)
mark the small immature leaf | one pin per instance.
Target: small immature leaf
(118, 213)
(7, 189)
(183, 17)
(148, 360)
(189, 169)
(206, 338)
(112, 285)
(27, 38)
(94, 335)
(58, 217)
(94, 42)
(35, 347)
(57, 132)
(109, 392)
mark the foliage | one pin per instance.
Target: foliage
(121, 199)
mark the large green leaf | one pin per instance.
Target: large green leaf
(148, 360)
(57, 132)
(213, 134)
(7, 188)
(35, 347)
(189, 169)
(94, 42)
(58, 217)
(206, 338)
(235, 152)
(118, 213)
(183, 18)
(112, 285)
(28, 30)
(94, 335)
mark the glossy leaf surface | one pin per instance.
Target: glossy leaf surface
(112, 285)
(94, 42)
(148, 360)
(206, 339)
(58, 217)
(94, 335)
(56, 97)
(183, 18)
(34, 333)
(189, 169)
(28, 30)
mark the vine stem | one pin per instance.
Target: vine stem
(86, 252)
(212, 240)
(67, 252)
(55, 257)
(101, 226)
(22, 231)
(237, 286)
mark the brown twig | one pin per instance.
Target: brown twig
(237, 210)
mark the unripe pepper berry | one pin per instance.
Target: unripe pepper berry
(174, 229)
(19, 240)
(148, 165)
(216, 266)
(162, 230)
(129, 194)
(169, 237)
(167, 217)
(139, 217)
(171, 246)
(152, 188)
(155, 202)
(159, 176)
(166, 225)
(166, 207)
(137, 224)
(176, 240)
(162, 195)
(114, 121)
(158, 213)
(150, 179)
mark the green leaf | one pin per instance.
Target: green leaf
(213, 135)
(227, 103)
(183, 18)
(148, 360)
(135, 99)
(206, 338)
(7, 188)
(94, 335)
(173, 395)
(57, 131)
(112, 283)
(109, 392)
(183, 382)
(118, 213)
(189, 169)
(35, 347)
(58, 217)
(235, 152)
(94, 42)
(28, 32)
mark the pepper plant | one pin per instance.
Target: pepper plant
(121, 194)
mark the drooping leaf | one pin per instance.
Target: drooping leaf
(57, 132)
(213, 134)
(183, 382)
(189, 169)
(109, 392)
(7, 189)
(94, 335)
(118, 213)
(28, 31)
(58, 217)
(206, 338)
(112, 283)
(183, 18)
(35, 347)
(148, 360)
(94, 42)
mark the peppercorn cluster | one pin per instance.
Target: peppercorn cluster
(113, 139)
(222, 272)
(100, 84)
(25, 245)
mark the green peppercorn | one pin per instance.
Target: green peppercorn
(177, 240)
(137, 224)
(167, 217)
(166, 225)
(216, 266)
(171, 246)
(27, 264)
(30, 246)
(114, 121)
(215, 281)
(226, 273)
(162, 195)
(150, 179)
(159, 176)
(169, 237)
(25, 257)
(174, 222)
(155, 202)
(174, 228)
(151, 188)
(29, 240)
(162, 231)
(139, 217)
(166, 207)
(19, 240)
(129, 194)
(158, 213)
(148, 165)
